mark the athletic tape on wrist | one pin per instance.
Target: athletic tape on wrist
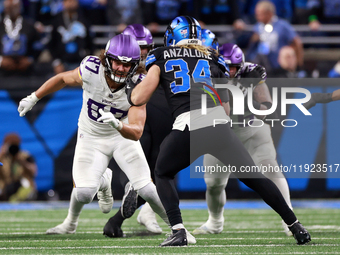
(120, 126)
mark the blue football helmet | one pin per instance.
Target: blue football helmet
(183, 30)
(209, 39)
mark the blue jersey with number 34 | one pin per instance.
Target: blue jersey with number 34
(183, 75)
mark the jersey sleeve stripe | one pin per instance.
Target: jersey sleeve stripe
(150, 59)
(79, 73)
(223, 63)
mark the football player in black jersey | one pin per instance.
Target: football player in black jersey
(183, 68)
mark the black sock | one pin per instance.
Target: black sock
(117, 218)
(272, 196)
(140, 201)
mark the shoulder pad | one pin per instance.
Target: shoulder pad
(154, 55)
(90, 64)
(137, 78)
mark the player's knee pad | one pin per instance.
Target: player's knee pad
(215, 183)
(85, 195)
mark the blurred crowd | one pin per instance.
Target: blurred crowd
(17, 172)
(58, 32)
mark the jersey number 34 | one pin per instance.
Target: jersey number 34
(201, 74)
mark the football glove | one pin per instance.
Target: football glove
(254, 77)
(27, 103)
(109, 118)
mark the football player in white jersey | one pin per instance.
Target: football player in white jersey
(157, 125)
(257, 140)
(108, 127)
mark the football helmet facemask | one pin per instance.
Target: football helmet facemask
(125, 49)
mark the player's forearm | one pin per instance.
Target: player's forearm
(142, 93)
(336, 95)
(138, 97)
(50, 86)
(261, 94)
(131, 131)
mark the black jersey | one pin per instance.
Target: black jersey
(183, 75)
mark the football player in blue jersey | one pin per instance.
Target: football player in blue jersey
(257, 140)
(184, 68)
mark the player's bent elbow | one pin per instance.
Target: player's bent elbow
(135, 136)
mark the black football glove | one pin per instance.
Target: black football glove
(253, 78)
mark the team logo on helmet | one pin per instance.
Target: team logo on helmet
(184, 33)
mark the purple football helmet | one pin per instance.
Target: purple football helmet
(140, 33)
(125, 49)
(143, 37)
(233, 56)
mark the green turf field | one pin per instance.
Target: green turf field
(245, 232)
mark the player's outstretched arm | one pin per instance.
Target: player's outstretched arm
(53, 84)
(143, 91)
(320, 98)
(336, 95)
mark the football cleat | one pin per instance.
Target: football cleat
(63, 228)
(286, 229)
(300, 234)
(105, 199)
(111, 229)
(129, 201)
(191, 239)
(177, 238)
(210, 227)
(147, 218)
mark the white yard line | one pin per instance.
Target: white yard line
(162, 238)
(151, 246)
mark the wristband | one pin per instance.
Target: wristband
(267, 104)
(256, 105)
(120, 126)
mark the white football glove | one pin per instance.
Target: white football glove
(108, 117)
(27, 103)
